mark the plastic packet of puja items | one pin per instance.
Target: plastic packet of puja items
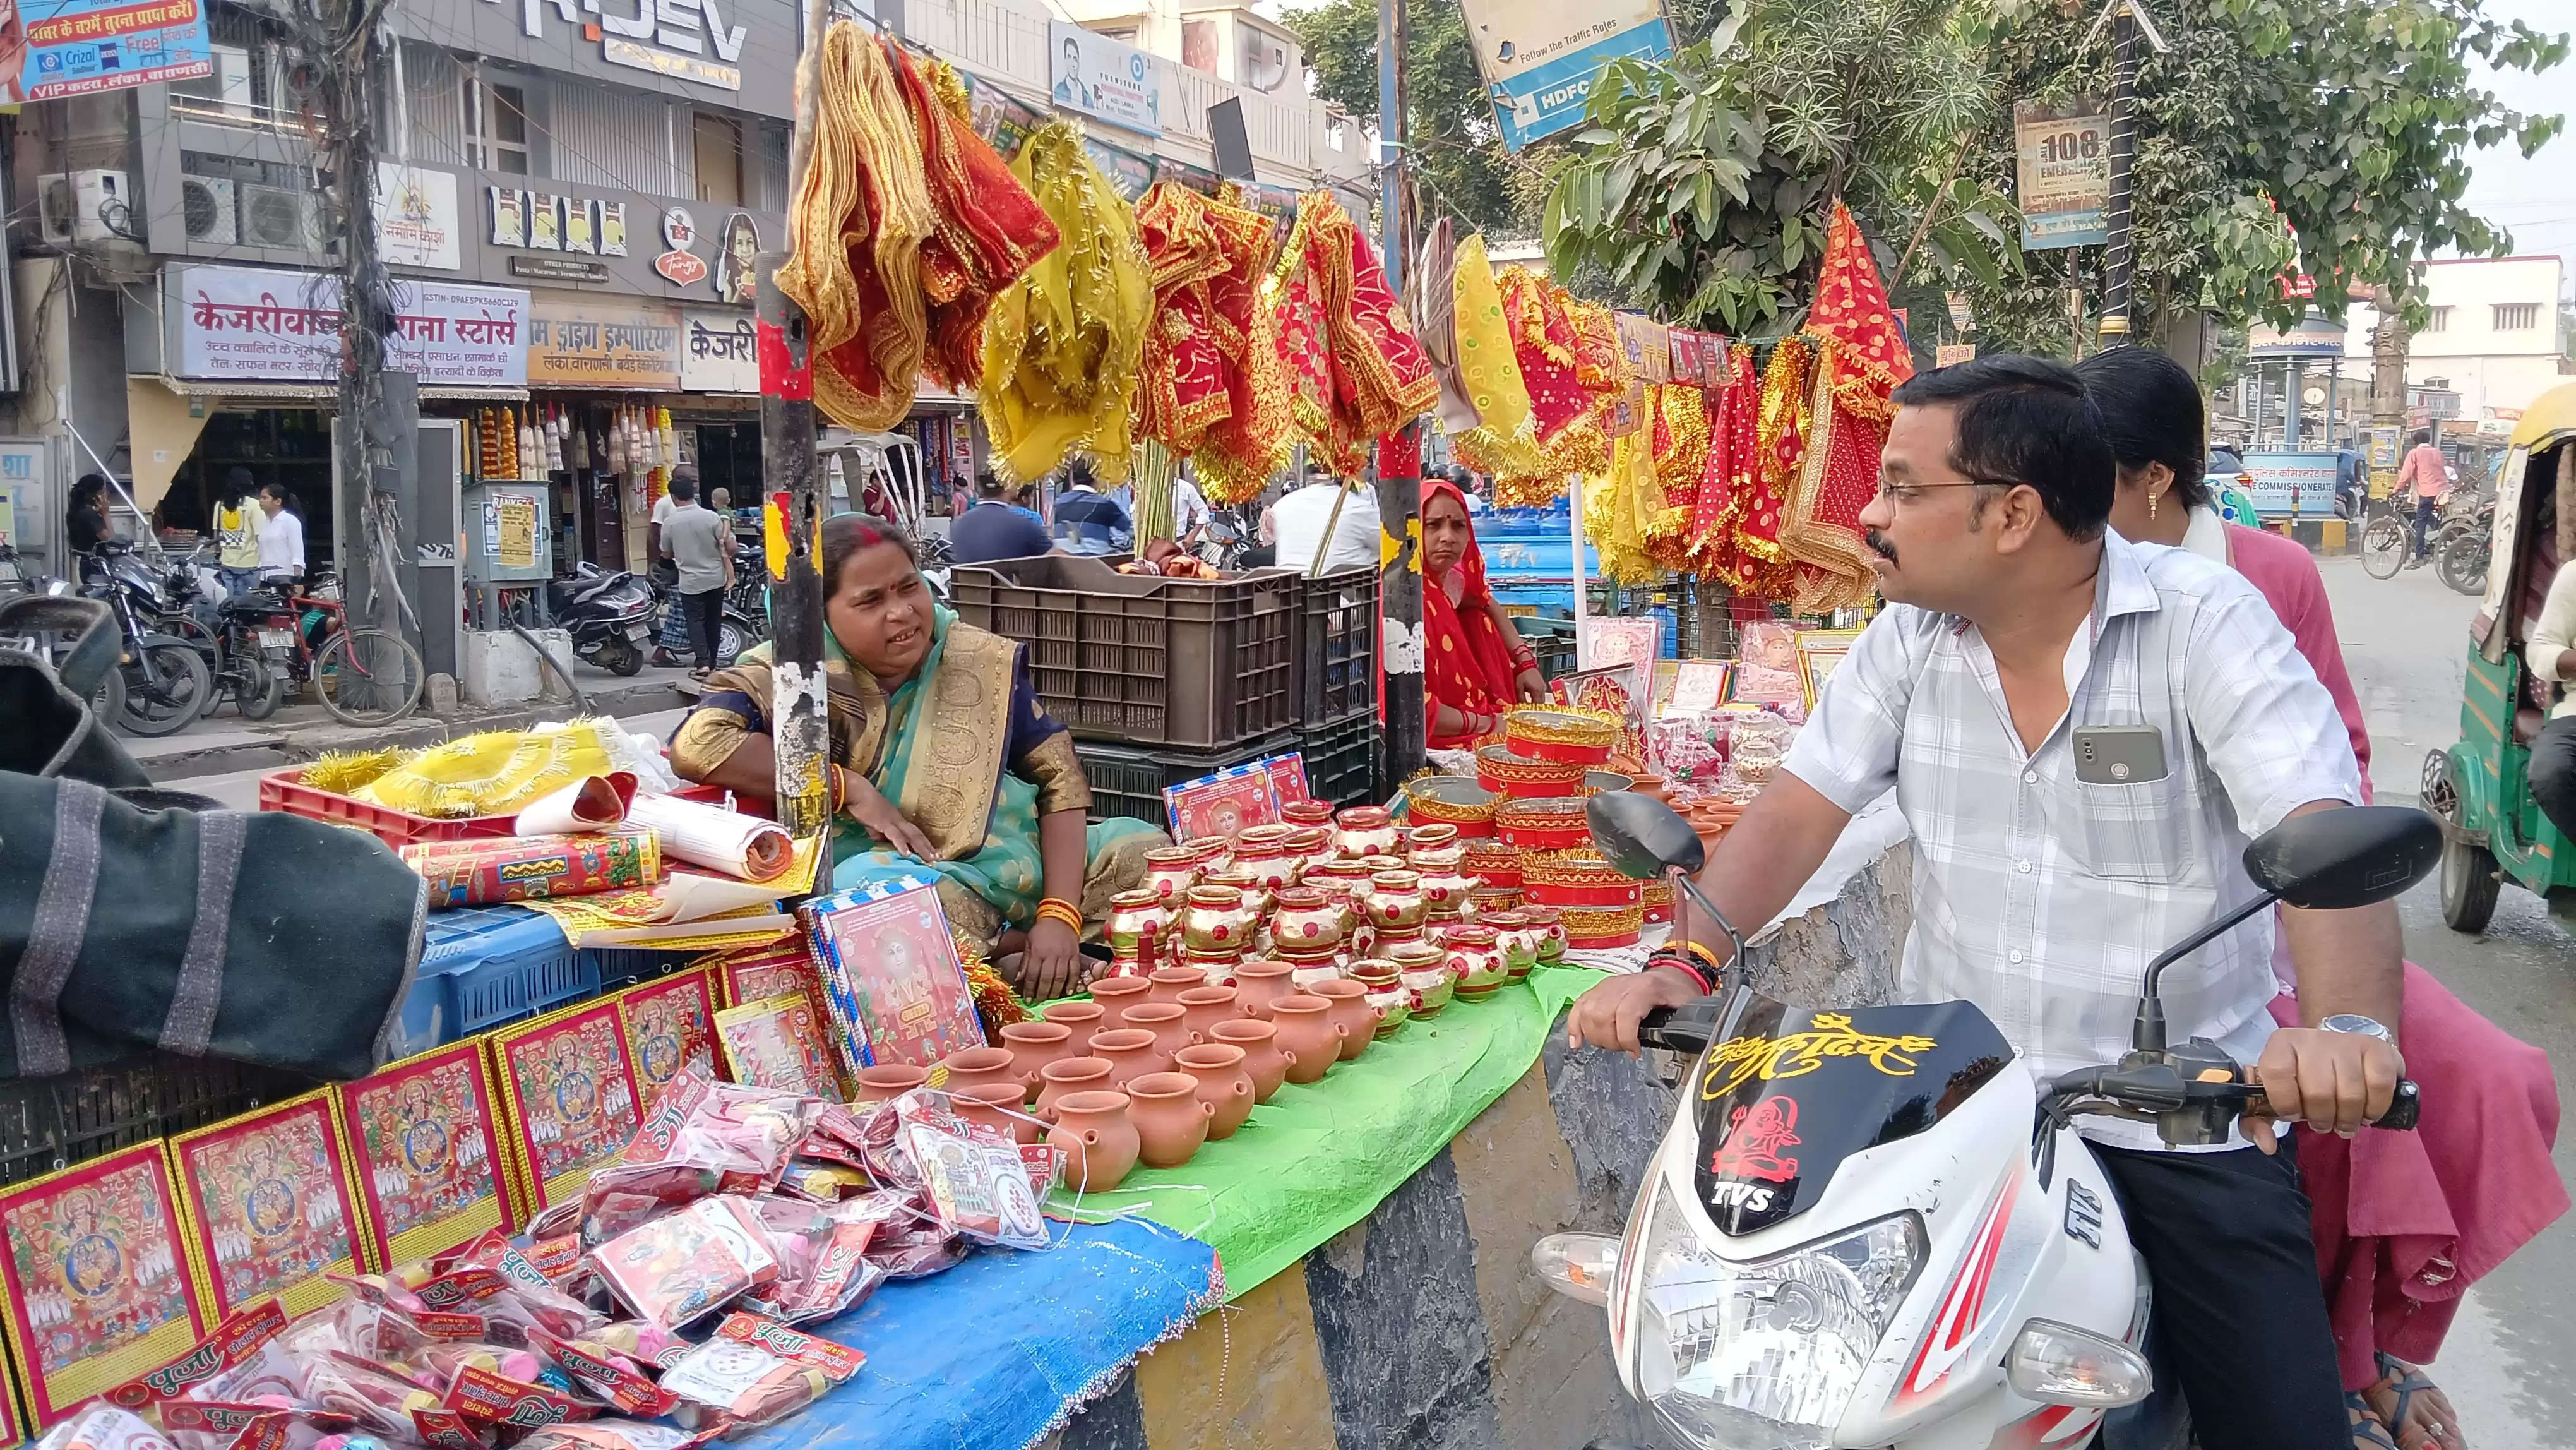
(102, 1426)
(528, 1284)
(613, 1435)
(381, 1402)
(743, 1134)
(823, 1182)
(643, 1343)
(831, 1276)
(755, 1371)
(909, 1241)
(680, 1266)
(977, 1185)
(607, 1375)
(234, 1342)
(496, 1399)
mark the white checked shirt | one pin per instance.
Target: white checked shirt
(2041, 898)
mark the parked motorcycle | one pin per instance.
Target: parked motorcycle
(167, 683)
(1874, 1227)
(610, 616)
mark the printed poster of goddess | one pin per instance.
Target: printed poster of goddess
(571, 1103)
(893, 969)
(97, 1277)
(670, 1029)
(427, 1155)
(268, 1206)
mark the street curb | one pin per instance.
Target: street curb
(297, 744)
(2322, 536)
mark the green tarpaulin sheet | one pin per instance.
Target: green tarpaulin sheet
(1316, 1159)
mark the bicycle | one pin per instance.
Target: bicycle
(363, 676)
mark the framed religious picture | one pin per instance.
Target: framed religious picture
(780, 1044)
(567, 1101)
(670, 1029)
(424, 1138)
(1607, 643)
(750, 974)
(1288, 777)
(891, 978)
(1766, 666)
(1618, 690)
(1223, 803)
(1699, 686)
(268, 1205)
(1816, 664)
(98, 1282)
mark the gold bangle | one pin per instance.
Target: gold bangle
(1059, 909)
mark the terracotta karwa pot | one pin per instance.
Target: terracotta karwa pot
(970, 1066)
(1260, 983)
(1100, 1145)
(1084, 1018)
(1223, 1084)
(1352, 1014)
(1035, 1044)
(1262, 1060)
(1116, 994)
(1071, 1075)
(1166, 984)
(1204, 1007)
(888, 1081)
(1308, 1032)
(1170, 1120)
(1165, 1021)
(1130, 1053)
(996, 1107)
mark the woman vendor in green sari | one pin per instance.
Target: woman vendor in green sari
(942, 761)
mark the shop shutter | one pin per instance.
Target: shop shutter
(435, 84)
(607, 137)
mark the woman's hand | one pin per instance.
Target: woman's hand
(1051, 964)
(862, 803)
(1532, 685)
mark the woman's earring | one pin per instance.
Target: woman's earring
(2152, 496)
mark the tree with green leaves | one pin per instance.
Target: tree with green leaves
(1702, 188)
(1458, 152)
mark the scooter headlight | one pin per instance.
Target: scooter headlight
(1764, 1353)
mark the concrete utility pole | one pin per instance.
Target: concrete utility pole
(1398, 467)
(800, 728)
(2130, 26)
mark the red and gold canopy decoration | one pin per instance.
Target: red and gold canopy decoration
(1861, 357)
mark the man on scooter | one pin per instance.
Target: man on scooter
(2082, 734)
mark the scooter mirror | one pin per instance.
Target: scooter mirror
(1641, 836)
(2337, 859)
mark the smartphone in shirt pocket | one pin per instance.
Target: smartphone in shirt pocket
(2136, 816)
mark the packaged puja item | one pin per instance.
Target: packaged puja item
(523, 868)
(777, 1044)
(753, 1371)
(196, 1368)
(104, 1427)
(425, 1154)
(978, 1187)
(571, 1104)
(891, 976)
(821, 1274)
(1766, 668)
(740, 1136)
(672, 1271)
(611, 1434)
(670, 1029)
(1756, 746)
(269, 1209)
(97, 1277)
(606, 1374)
(738, 845)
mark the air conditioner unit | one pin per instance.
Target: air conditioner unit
(226, 88)
(86, 206)
(211, 214)
(274, 216)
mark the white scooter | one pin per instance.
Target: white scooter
(1873, 1227)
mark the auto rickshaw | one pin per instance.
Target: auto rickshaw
(2479, 788)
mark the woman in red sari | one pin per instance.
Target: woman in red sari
(1475, 664)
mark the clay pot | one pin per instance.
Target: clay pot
(1131, 1052)
(1259, 983)
(996, 1107)
(1035, 1044)
(970, 1066)
(1393, 1005)
(1211, 852)
(1262, 853)
(1071, 1075)
(1430, 990)
(1307, 922)
(1438, 835)
(1308, 1032)
(1084, 1018)
(888, 1081)
(1651, 785)
(1309, 842)
(1307, 813)
(1223, 1084)
(1516, 939)
(1171, 871)
(1444, 893)
(1100, 1145)
(1215, 971)
(1166, 984)
(1215, 920)
(1548, 931)
(1164, 1021)
(1139, 927)
(1116, 994)
(1256, 896)
(1416, 956)
(1476, 956)
(1205, 1007)
(1375, 973)
(1352, 1014)
(1366, 831)
(1305, 972)
(1263, 1061)
(1394, 901)
(1171, 1120)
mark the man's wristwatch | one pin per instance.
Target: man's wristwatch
(2357, 1024)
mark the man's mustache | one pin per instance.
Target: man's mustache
(1879, 542)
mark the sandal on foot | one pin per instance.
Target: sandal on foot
(2429, 1425)
(2367, 1431)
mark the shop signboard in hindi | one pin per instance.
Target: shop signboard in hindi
(257, 325)
(716, 354)
(1949, 353)
(416, 219)
(82, 47)
(602, 342)
(1540, 57)
(1130, 174)
(1099, 77)
(2063, 155)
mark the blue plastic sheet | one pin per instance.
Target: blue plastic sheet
(998, 1352)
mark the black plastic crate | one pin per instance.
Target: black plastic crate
(1552, 640)
(1336, 644)
(48, 1123)
(1142, 659)
(1341, 759)
(1130, 783)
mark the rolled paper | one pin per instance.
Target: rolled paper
(592, 803)
(527, 868)
(718, 839)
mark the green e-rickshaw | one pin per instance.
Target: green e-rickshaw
(2480, 787)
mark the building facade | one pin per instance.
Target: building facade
(2494, 338)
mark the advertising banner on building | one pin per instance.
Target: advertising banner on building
(2063, 166)
(80, 47)
(604, 342)
(251, 324)
(1100, 77)
(417, 224)
(716, 351)
(1540, 57)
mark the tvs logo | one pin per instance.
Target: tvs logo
(1755, 1138)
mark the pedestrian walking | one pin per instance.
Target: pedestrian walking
(237, 534)
(2424, 477)
(281, 536)
(675, 629)
(700, 546)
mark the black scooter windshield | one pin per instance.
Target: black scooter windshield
(1797, 1090)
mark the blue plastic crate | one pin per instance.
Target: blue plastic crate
(614, 967)
(498, 964)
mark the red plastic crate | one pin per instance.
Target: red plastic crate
(285, 790)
